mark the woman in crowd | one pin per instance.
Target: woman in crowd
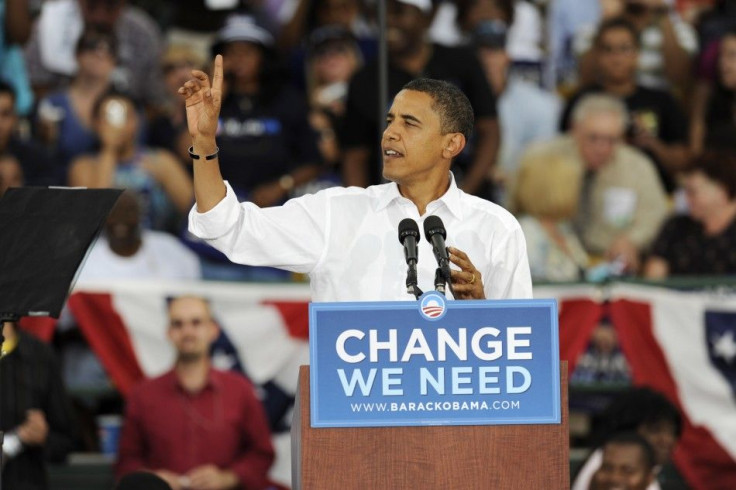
(715, 126)
(546, 199)
(267, 147)
(155, 175)
(704, 240)
(65, 117)
(333, 58)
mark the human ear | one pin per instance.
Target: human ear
(454, 144)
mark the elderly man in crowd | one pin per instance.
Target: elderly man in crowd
(622, 201)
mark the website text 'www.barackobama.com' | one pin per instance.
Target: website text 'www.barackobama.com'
(454, 406)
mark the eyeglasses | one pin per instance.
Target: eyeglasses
(179, 322)
(606, 139)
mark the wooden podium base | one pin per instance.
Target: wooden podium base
(498, 457)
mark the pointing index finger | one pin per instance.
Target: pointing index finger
(217, 77)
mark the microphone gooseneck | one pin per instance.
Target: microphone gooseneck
(408, 237)
(434, 231)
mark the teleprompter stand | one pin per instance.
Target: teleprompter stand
(501, 457)
(44, 236)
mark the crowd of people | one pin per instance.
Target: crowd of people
(608, 127)
(627, 97)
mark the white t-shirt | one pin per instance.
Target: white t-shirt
(161, 256)
(346, 239)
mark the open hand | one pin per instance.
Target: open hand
(34, 430)
(210, 477)
(203, 101)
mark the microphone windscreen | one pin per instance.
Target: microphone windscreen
(433, 224)
(408, 227)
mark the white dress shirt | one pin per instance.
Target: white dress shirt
(346, 239)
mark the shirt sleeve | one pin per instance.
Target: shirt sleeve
(290, 237)
(652, 207)
(59, 415)
(131, 445)
(258, 454)
(585, 475)
(662, 244)
(511, 276)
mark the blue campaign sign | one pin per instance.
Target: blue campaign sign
(434, 362)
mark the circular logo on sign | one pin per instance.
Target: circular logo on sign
(432, 305)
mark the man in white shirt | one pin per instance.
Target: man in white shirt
(346, 238)
(126, 251)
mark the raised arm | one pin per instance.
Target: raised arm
(203, 101)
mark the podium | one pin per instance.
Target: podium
(443, 456)
(498, 457)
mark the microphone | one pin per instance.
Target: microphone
(434, 231)
(408, 236)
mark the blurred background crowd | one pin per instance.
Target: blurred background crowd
(608, 127)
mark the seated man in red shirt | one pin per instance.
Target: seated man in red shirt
(194, 426)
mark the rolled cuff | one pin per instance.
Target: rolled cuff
(217, 221)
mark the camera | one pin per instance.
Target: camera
(116, 113)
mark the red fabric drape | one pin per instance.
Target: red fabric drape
(578, 318)
(108, 337)
(295, 315)
(700, 459)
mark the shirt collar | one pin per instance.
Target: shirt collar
(213, 382)
(451, 198)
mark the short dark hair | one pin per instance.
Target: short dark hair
(463, 8)
(616, 23)
(636, 407)
(93, 36)
(6, 88)
(631, 438)
(718, 166)
(456, 113)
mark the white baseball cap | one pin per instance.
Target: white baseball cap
(241, 28)
(423, 5)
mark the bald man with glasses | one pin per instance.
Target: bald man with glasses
(196, 427)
